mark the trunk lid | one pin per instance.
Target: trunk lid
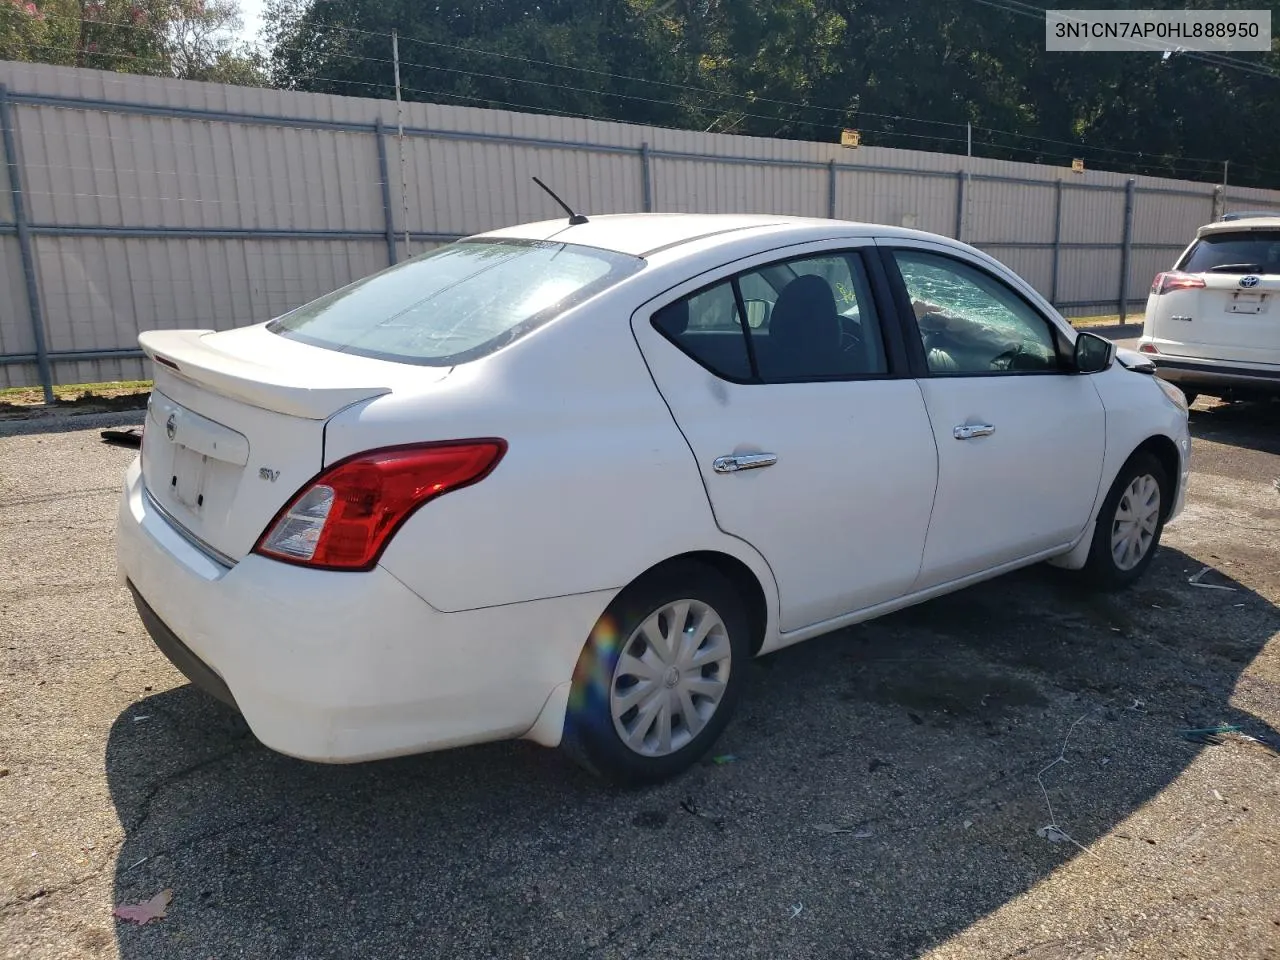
(236, 422)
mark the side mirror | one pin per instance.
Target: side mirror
(1093, 353)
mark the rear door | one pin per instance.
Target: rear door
(812, 438)
(1235, 315)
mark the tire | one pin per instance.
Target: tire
(1112, 565)
(652, 691)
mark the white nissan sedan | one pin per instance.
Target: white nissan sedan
(560, 481)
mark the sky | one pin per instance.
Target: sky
(251, 13)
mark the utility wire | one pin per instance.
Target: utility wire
(1157, 161)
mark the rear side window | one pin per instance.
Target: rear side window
(708, 327)
(1249, 251)
(457, 303)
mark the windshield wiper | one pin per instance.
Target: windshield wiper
(1228, 267)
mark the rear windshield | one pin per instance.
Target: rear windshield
(457, 303)
(1249, 251)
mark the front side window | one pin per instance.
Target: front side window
(457, 303)
(791, 321)
(972, 323)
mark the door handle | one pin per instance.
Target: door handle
(968, 431)
(743, 461)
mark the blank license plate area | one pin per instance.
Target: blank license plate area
(187, 482)
(1247, 303)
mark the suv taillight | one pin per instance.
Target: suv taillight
(1175, 280)
(344, 518)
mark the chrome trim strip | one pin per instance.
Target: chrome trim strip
(217, 556)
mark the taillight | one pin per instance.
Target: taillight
(1175, 280)
(1147, 348)
(344, 518)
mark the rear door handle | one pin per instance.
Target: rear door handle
(968, 431)
(743, 461)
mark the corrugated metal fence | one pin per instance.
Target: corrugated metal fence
(137, 203)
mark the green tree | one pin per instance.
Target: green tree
(188, 39)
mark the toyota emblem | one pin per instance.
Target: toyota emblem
(171, 426)
(1248, 282)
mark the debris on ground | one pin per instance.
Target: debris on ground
(689, 805)
(830, 829)
(126, 437)
(1196, 582)
(1053, 834)
(1209, 735)
(147, 911)
(796, 910)
(724, 758)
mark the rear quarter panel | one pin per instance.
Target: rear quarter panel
(597, 484)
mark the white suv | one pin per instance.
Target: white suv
(1213, 321)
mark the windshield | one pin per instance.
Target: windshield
(457, 303)
(1249, 251)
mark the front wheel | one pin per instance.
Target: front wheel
(1129, 524)
(659, 676)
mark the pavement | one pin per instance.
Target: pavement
(884, 791)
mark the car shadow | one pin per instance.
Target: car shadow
(1254, 425)
(876, 794)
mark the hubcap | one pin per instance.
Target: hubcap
(1137, 516)
(670, 676)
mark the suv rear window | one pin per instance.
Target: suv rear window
(457, 303)
(1249, 251)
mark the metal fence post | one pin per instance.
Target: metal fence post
(960, 179)
(1126, 248)
(1057, 241)
(646, 178)
(24, 244)
(387, 218)
(831, 190)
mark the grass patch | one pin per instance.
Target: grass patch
(77, 397)
(1105, 320)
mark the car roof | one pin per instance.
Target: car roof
(1243, 224)
(644, 234)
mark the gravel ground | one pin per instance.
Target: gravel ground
(884, 801)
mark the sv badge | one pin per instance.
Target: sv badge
(266, 473)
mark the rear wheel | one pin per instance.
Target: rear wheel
(1129, 524)
(659, 677)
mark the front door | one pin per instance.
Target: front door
(1020, 438)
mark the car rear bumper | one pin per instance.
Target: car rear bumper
(188, 664)
(1207, 374)
(342, 667)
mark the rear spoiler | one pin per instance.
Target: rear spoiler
(291, 390)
